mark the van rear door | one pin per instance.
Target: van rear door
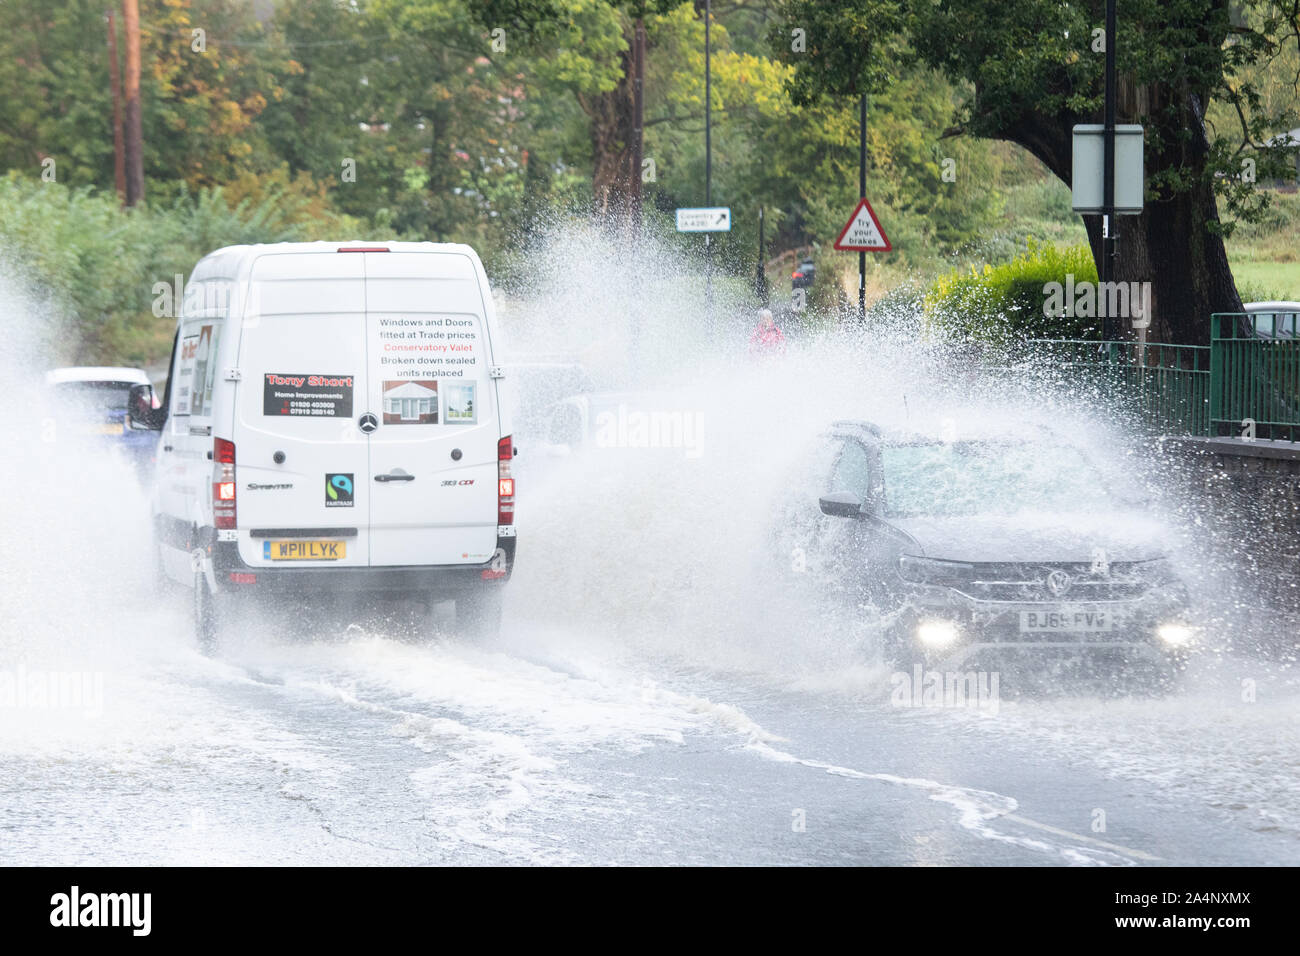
(303, 367)
(433, 459)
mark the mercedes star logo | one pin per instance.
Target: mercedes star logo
(1058, 582)
(368, 423)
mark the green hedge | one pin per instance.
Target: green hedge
(1004, 303)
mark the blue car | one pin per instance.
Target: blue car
(91, 403)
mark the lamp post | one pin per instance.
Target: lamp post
(708, 158)
(1109, 330)
(862, 194)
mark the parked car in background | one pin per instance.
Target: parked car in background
(802, 277)
(91, 402)
(534, 387)
(624, 422)
(980, 548)
(1274, 320)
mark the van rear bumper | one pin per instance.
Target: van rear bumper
(418, 579)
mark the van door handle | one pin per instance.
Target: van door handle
(167, 447)
(402, 477)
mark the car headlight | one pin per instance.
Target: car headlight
(1176, 635)
(931, 571)
(936, 633)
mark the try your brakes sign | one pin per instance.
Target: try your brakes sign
(863, 232)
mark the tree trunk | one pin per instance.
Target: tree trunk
(1187, 266)
(613, 141)
(1169, 244)
(115, 83)
(134, 119)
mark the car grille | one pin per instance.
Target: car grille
(1033, 583)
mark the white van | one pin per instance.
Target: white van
(332, 422)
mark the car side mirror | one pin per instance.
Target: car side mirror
(842, 504)
(140, 413)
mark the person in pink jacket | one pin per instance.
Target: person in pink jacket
(767, 338)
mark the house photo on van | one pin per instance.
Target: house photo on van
(332, 424)
(411, 403)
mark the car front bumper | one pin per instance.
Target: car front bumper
(995, 628)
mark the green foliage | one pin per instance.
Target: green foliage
(1035, 60)
(453, 137)
(97, 264)
(199, 108)
(1005, 303)
(55, 96)
(851, 46)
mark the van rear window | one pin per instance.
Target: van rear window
(198, 370)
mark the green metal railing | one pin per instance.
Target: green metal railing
(1246, 382)
(1255, 380)
(1158, 388)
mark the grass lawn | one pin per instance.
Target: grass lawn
(1273, 280)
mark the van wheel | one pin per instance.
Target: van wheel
(478, 613)
(206, 621)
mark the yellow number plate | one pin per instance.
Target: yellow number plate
(112, 428)
(304, 550)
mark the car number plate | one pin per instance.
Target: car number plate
(1066, 619)
(304, 550)
(111, 428)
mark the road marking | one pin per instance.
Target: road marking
(1137, 854)
(976, 809)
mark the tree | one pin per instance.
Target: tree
(1035, 70)
(55, 100)
(454, 135)
(209, 70)
(586, 46)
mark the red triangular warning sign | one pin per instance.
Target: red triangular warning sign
(863, 232)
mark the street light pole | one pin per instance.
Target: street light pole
(638, 114)
(862, 194)
(708, 157)
(1109, 330)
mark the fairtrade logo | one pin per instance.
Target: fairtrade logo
(338, 491)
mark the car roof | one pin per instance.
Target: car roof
(96, 373)
(229, 262)
(1272, 306)
(846, 427)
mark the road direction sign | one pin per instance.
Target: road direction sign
(707, 219)
(863, 232)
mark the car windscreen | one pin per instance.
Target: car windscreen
(92, 398)
(969, 478)
(1275, 325)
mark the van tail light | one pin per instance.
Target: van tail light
(363, 249)
(505, 483)
(223, 483)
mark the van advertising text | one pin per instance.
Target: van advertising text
(316, 396)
